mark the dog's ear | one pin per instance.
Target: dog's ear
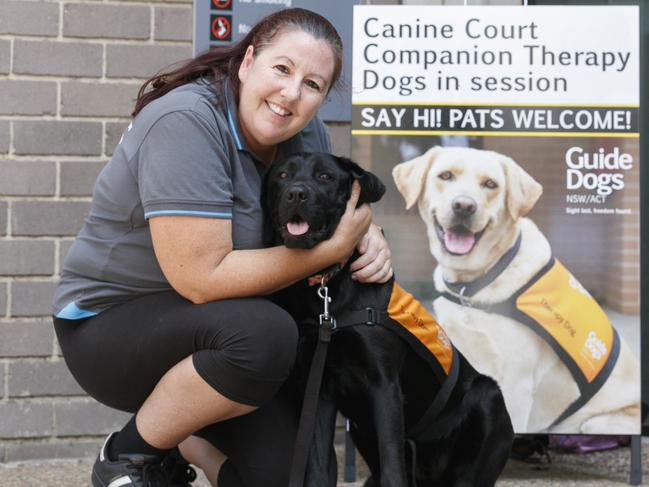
(410, 176)
(372, 189)
(522, 189)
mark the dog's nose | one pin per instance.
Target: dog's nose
(297, 194)
(464, 206)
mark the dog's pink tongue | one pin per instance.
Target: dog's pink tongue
(459, 242)
(297, 228)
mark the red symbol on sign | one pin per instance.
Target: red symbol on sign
(222, 3)
(221, 28)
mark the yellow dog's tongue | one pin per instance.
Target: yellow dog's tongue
(458, 242)
(297, 228)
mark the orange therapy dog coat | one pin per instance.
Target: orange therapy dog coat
(558, 308)
(409, 319)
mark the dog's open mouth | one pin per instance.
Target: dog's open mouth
(458, 240)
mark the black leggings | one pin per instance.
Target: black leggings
(243, 348)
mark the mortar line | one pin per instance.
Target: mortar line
(9, 298)
(60, 34)
(151, 24)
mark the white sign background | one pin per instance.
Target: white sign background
(384, 61)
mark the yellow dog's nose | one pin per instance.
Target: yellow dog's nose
(464, 206)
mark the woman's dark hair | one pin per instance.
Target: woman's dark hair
(223, 62)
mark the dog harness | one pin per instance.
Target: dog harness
(410, 320)
(560, 310)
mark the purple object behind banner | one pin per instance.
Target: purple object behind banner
(587, 443)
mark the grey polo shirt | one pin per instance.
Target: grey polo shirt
(184, 154)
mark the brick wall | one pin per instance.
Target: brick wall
(69, 72)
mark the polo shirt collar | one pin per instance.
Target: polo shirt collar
(290, 146)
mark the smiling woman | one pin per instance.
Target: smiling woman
(281, 93)
(162, 308)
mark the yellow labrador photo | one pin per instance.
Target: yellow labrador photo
(510, 306)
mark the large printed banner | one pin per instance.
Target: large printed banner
(508, 140)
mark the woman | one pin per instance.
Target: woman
(160, 310)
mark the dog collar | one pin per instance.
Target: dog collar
(469, 289)
(322, 278)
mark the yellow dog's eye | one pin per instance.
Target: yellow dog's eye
(490, 183)
(283, 175)
(446, 175)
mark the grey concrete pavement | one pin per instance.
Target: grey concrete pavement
(601, 469)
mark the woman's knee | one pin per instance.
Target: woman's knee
(273, 345)
(250, 361)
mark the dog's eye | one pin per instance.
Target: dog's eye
(446, 175)
(282, 175)
(324, 177)
(490, 183)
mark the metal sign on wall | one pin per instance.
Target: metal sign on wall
(220, 22)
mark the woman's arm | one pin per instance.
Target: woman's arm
(197, 259)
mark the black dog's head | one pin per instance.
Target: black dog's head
(306, 194)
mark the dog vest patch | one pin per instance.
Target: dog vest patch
(411, 314)
(569, 314)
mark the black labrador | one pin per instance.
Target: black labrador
(420, 414)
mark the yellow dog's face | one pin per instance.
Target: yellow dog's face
(470, 201)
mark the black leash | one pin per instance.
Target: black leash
(310, 405)
(413, 461)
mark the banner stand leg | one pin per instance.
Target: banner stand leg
(350, 456)
(636, 460)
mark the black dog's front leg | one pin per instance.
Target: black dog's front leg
(390, 431)
(321, 466)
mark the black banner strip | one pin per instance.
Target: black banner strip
(492, 120)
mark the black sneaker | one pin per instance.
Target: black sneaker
(179, 472)
(129, 470)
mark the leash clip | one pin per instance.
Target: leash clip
(323, 293)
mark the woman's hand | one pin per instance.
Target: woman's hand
(352, 227)
(375, 264)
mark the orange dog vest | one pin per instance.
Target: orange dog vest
(411, 314)
(558, 308)
(567, 312)
(408, 318)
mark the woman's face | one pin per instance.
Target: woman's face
(282, 88)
